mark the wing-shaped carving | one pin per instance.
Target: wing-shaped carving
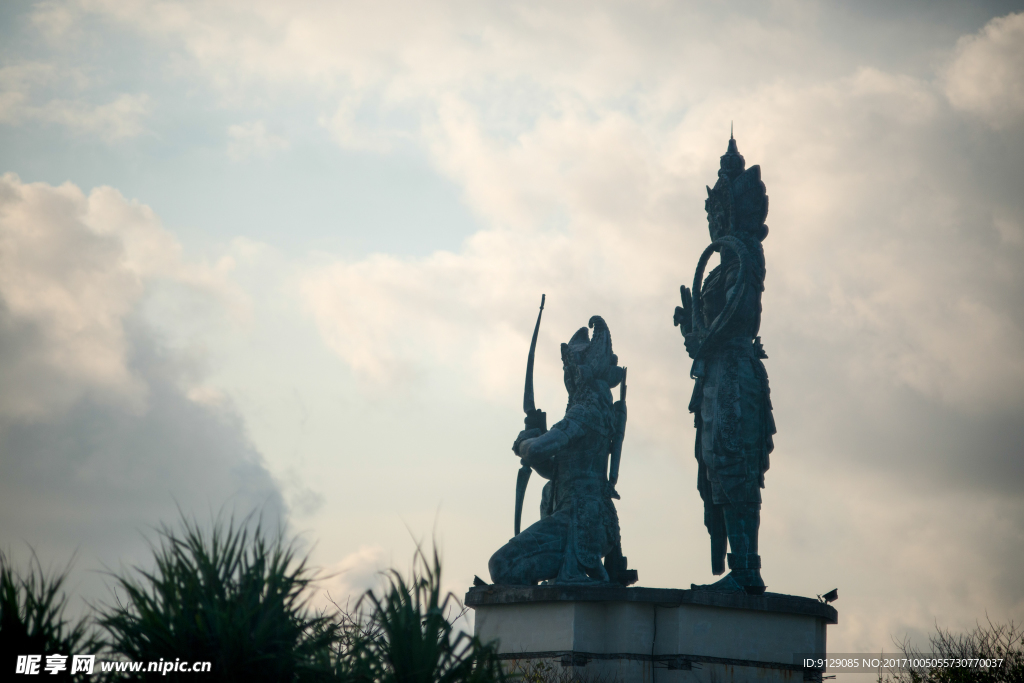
(749, 203)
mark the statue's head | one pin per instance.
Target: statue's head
(738, 204)
(590, 362)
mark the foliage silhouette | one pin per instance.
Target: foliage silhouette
(232, 596)
(32, 621)
(993, 641)
(408, 637)
(238, 597)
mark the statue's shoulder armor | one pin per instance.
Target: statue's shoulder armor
(572, 424)
(585, 418)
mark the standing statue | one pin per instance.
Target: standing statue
(579, 526)
(731, 405)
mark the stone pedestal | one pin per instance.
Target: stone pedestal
(653, 635)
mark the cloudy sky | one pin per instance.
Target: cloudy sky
(288, 256)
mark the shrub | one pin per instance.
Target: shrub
(230, 596)
(32, 620)
(238, 598)
(541, 671)
(1003, 641)
(408, 637)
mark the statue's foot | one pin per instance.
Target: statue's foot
(574, 574)
(728, 584)
(737, 581)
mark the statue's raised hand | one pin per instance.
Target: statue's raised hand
(683, 315)
(523, 436)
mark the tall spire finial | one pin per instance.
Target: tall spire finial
(732, 163)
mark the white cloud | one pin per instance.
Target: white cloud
(844, 216)
(103, 429)
(121, 118)
(65, 294)
(345, 581)
(904, 557)
(58, 22)
(23, 99)
(986, 75)
(517, 61)
(252, 139)
(15, 82)
(349, 129)
(72, 270)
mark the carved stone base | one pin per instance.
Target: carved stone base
(654, 635)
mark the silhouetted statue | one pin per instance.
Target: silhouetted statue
(579, 526)
(730, 402)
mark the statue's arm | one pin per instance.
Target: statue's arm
(540, 452)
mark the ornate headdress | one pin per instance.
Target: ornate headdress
(595, 354)
(740, 196)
